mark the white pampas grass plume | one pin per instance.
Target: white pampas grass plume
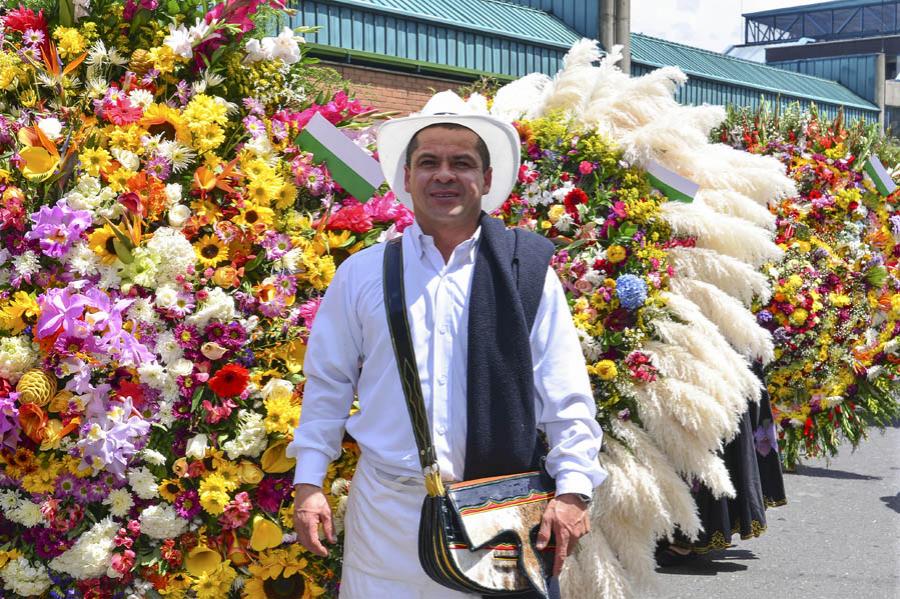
(520, 99)
(703, 340)
(676, 494)
(734, 203)
(689, 451)
(735, 322)
(691, 407)
(594, 571)
(477, 104)
(737, 279)
(727, 235)
(619, 104)
(572, 86)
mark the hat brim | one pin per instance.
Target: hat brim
(501, 139)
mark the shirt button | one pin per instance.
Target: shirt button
(443, 329)
(442, 380)
(441, 430)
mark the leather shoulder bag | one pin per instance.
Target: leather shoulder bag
(475, 536)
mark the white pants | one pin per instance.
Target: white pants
(381, 557)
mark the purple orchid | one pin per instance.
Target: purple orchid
(110, 441)
(765, 438)
(9, 423)
(56, 228)
(61, 310)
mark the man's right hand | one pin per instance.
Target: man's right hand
(310, 510)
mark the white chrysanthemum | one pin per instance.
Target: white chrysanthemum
(143, 483)
(119, 502)
(165, 412)
(17, 354)
(24, 578)
(162, 522)
(218, 305)
(27, 514)
(180, 155)
(151, 456)
(83, 261)
(153, 374)
(176, 254)
(90, 556)
(142, 311)
(251, 436)
(26, 264)
(9, 499)
(167, 348)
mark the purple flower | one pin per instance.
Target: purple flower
(254, 106)
(276, 245)
(33, 37)
(9, 423)
(66, 485)
(187, 336)
(56, 228)
(254, 126)
(187, 504)
(765, 438)
(764, 317)
(159, 167)
(110, 441)
(61, 309)
(235, 335)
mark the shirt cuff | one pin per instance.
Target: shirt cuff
(312, 465)
(574, 482)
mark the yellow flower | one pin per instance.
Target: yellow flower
(101, 243)
(216, 483)
(216, 583)
(69, 42)
(127, 137)
(254, 217)
(169, 489)
(286, 196)
(320, 272)
(94, 160)
(205, 109)
(555, 212)
(21, 311)
(895, 306)
(163, 58)
(282, 415)
(43, 478)
(37, 163)
(615, 253)
(257, 169)
(799, 316)
(165, 120)
(605, 369)
(262, 190)
(210, 251)
(214, 502)
(207, 136)
(118, 180)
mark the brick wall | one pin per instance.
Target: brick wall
(387, 90)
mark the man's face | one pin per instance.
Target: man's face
(446, 178)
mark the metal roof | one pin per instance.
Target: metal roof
(493, 17)
(805, 8)
(744, 73)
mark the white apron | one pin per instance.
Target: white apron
(381, 553)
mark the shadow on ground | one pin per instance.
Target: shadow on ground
(892, 502)
(817, 472)
(713, 563)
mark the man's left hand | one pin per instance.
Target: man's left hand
(567, 518)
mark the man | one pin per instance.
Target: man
(448, 167)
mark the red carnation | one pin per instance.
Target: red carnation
(230, 381)
(572, 199)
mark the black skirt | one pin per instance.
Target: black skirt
(755, 468)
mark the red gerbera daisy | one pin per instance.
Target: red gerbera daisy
(22, 19)
(230, 381)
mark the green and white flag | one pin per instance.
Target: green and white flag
(879, 175)
(349, 165)
(670, 183)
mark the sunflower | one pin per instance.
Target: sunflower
(101, 243)
(210, 251)
(21, 311)
(279, 574)
(262, 190)
(170, 488)
(254, 217)
(159, 118)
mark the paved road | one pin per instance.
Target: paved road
(838, 537)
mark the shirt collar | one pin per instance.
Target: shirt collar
(421, 242)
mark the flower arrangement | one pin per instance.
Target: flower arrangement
(165, 245)
(833, 312)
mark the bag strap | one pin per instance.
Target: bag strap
(401, 338)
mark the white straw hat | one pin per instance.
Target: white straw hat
(501, 139)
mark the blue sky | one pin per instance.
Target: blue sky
(710, 24)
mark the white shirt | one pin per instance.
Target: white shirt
(350, 352)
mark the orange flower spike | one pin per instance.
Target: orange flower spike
(74, 64)
(51, 58)
(34, 421)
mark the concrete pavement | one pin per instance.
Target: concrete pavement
(838, 537)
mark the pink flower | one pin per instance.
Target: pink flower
(237, 511)
(585, 167)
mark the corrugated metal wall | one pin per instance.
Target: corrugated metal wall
(418, 40)
(857, 73)
(581, 15)
(705, 91)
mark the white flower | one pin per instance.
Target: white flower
(26, 264)
(90, 556)
(143, 483)
(162, 522)
(277, 389)
(181, 367)
(218, 305)
(196, 447)
(180, 41)
(179, 154)
(27, 514)
(168, 348)
(564, 223)
(140, 97)
(119, 502)
(285, 46)
(17, 355)
(178, 215)
(174, 192)
(176, 254)
(166, 296)
(200, 30)
(152, 456)
(51, 127)
(255, 52)
(127, 158)
(152, 374)
(25, 579)
(251, 436)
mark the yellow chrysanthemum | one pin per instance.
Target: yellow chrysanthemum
(118, 180)
(163, 58)
(207, 136)
(262, 190)
(255, 168)
(21, 311)
(205, 109)
(159, 118)
(101, 243)
(604, 369)
(127, 137)
(282, 415)
(286, 196)
(69, 42)
(214, 502)
(94, 160)
(319, 271)
(210, 251)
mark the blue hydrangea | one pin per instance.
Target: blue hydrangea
(632, 291)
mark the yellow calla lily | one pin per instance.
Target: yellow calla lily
(275, 461)
(38, 163)
(201, 560)
(266, 534)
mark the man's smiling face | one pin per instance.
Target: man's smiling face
(446, 177)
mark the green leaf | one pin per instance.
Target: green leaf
(255, 263)
(123, 253)
(66, 13)
(195, 400)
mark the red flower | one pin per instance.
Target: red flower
(230, 381)
(22, 19)
(352, 218)
(572, 199)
